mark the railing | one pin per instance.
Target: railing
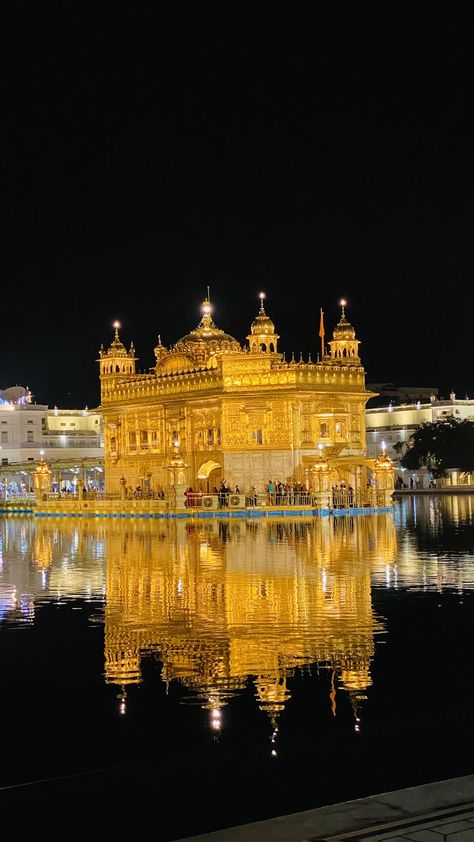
(101, 495)
(66, 441)
(333, 500)
(194, 499)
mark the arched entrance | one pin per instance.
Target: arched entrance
(204, 472)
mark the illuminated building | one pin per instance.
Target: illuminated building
(239, 413)
(29, 431)
(395, 424)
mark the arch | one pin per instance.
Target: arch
(206, 469)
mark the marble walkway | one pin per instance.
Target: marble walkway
(436, 812)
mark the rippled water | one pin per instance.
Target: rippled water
(241, 668)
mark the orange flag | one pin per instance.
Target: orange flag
(321, 324)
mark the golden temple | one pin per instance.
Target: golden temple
(240, 414)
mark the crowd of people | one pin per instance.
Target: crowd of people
(342, 496)
(287, 493)
(276, 493)
(193, 497)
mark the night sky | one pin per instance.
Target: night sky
(272, 154)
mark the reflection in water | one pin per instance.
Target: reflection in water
(217, 602)
(43, 562)
(235, 613)
(435, 546)
(221, 602)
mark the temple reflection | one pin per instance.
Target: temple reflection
(220, 603)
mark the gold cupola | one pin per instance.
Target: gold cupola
(115, 363)
(116, 359)
(344, 346)
(206, 339)
(262, 337)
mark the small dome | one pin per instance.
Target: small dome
(262, 324)
(344, 329)
(116, 347)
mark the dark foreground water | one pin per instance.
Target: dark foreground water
(213, 673)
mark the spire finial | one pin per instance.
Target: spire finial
(343, 304)
(117, 327)
(208, 295)
(261, 296)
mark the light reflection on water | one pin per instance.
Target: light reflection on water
(217, 602)
(271, 629)
(220, 601)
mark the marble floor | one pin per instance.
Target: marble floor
(442, 811)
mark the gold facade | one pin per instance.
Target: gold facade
(239, 413)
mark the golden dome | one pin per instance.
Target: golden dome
(343, 329)
(262, 324)
(206, 338)
(116, 347)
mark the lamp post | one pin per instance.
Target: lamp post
(177, 467)
(320, 472)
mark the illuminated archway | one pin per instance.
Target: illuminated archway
(205, 470)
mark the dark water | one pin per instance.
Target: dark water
(215, 673)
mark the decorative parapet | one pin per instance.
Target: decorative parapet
(237, 378)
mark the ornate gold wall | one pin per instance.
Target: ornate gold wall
(245, 410)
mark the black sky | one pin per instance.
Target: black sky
(276, 154)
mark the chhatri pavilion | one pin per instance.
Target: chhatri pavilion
(240, 413)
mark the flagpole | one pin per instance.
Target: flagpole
(321, 332)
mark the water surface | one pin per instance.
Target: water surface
(234, 669)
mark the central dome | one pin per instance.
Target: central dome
(206, 338)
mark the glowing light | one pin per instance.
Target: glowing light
(343, 302)
(41, 452)
(274, 754)
(383, 446)
(216, 723)
(261, 296)
(117, 325)
(206, 308)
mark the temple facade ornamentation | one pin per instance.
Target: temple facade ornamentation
(242, 414)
